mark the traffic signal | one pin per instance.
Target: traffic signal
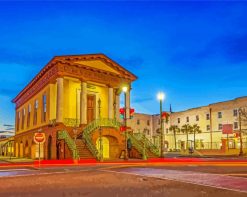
(123, 128)
(165, 116)
(132, 111)
(122, 112)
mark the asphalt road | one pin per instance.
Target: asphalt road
(110, 180)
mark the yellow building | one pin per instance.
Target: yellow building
(69, 100)
(210, 118)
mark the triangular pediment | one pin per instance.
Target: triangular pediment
(98, 64)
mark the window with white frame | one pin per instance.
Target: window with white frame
(235, 112)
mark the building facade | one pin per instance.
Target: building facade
(64, 101)
(209, 118)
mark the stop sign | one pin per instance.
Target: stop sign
(39, 137)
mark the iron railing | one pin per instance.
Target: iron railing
(88, 130)
(71, 122)
(139, 146)
(148, 144)
(63, 135)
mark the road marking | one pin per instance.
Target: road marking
(193, 181)
(43, 173)
(11, 170)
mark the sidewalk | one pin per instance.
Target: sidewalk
(15, 160)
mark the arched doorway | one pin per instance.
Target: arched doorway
(105, 147)
(49, 147)
(58, 146)
(21, 149)
(16, 149)
(26, 151)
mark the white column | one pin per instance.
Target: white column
(128, 104)
(117, 101)
(110, 103)
(127, 107)
(78, 97)
(59, 115)
(83, 107)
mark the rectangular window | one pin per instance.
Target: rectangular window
(28, 115)
(36, 103)
(197, 118)
(178, 120)
(220, 114)
(235, 125)
(138, 122)
(235, 112)
(208, 127)
(148, 122)
(187, 119)
(23, 118)
(207, 116)
(159, 122)
(44, 109)
(220, 126)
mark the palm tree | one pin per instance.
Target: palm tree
(175, 130)
(186, 128)
(195, 129)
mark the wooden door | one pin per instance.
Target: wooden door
(90, 108)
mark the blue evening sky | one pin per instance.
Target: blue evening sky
(196, 52)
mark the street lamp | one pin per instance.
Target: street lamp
(161, 97)
(240, 113)
(125, 89)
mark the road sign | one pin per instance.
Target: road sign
(39, 138)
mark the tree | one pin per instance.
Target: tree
(242, 118)
(195, 129)
(175, 130)
(186, 129)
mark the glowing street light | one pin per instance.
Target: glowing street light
(125, 89)
(161, 97)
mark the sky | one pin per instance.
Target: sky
(195, 52)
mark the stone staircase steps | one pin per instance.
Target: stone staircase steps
(83, 151)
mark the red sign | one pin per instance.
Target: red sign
(123, 128)
(39, 138)
(164, 115)
(227, 129)
(236, 135)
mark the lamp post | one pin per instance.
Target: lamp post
(240, 112)
(125, 89)
(100, 133)
(161, 97)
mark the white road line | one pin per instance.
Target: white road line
(165, 178)
(12, 170)
(42, 173)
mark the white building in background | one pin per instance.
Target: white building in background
(210, 118)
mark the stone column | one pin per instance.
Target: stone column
(78, 111)
(83, 107)
(127, 107)
(59, 115)
(110, 102)
(117, 101)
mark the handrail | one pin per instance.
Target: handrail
(71, 122)
(92, 126)
(140, 148)
(148, 144)
(70, 142)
